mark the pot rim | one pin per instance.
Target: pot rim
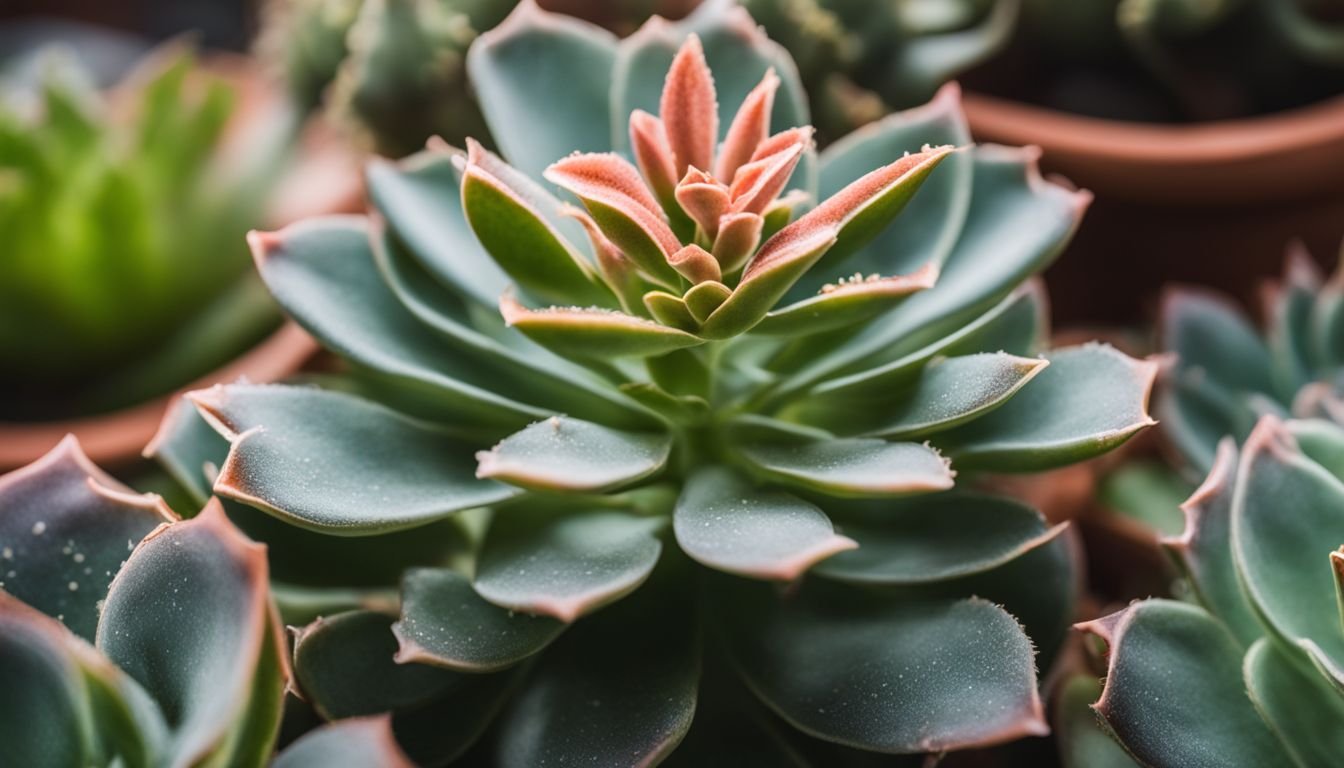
(118, 436)
(1211, 142)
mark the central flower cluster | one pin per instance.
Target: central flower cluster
(677, 241)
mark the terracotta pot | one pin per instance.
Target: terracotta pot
(1210, 203)
(324, 178)
(114, 439)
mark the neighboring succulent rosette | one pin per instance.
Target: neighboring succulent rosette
(860, 60)
(704, 475)
(127, 636)
(1254, 673)
(1226, 376)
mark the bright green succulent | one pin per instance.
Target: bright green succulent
(1253, 674)
(129, 637)
(1181, 59)
(1225, 376)
(861, 59)
(121, 277)
(647, 458)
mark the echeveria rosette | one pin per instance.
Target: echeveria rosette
(860, 60)
(1225, 375)
(1253, 674)
(127, 636)
(671, 414)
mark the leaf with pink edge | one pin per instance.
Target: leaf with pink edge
(594, 333)
(565, 563)
(340, 464)
(190, 618)
(933, 539)
(1285, 560)
(852, 467)
(725, 522)
(66, 527)
(1087, 401)
(1174, 695)
(895, 676)
(846, 303)
(564, 454)
(445, 623)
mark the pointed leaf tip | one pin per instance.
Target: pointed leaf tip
(689, 108)
(749, 128)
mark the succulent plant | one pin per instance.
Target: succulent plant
(1225, 375)
(859, 60)
(1181, 59)
(393, 72)
(1253, 674)
(122, 215)
(129, 637)
(699, 475)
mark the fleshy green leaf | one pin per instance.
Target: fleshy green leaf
(1208, 332)
(566, 454)
(65, 529)
(844, 304)
(841, 224)
(544, 81)
(619, 688)
(1302, 707)
(594, 333)
(190, 619)
(357, 742)
(882, 674)
(1174, 694)
(518, 369)
(1290, 337)
(852, 467)
(727, 523)
(565, 564)
(933, 539)
(421, 199)
(344, 665)
(299, 557)
(1089, 400)
(323, 273)
(1205, 548)
(1016, 225)
(509, 226)
(1015, 326)
(337, 463)
(445, 623)
(62, 703)
(931, 223)
(1284, 559)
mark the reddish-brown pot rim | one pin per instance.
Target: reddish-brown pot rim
(1279, 157)
(116, 438)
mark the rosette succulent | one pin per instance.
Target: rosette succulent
(701, 483)
(122, 277)
(859, 60)
(129, 637)
(1225, 375)
(1253, 674)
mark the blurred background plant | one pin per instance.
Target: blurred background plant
(1174, 60)
(860, 60)
(124, 275)
(392, 72)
